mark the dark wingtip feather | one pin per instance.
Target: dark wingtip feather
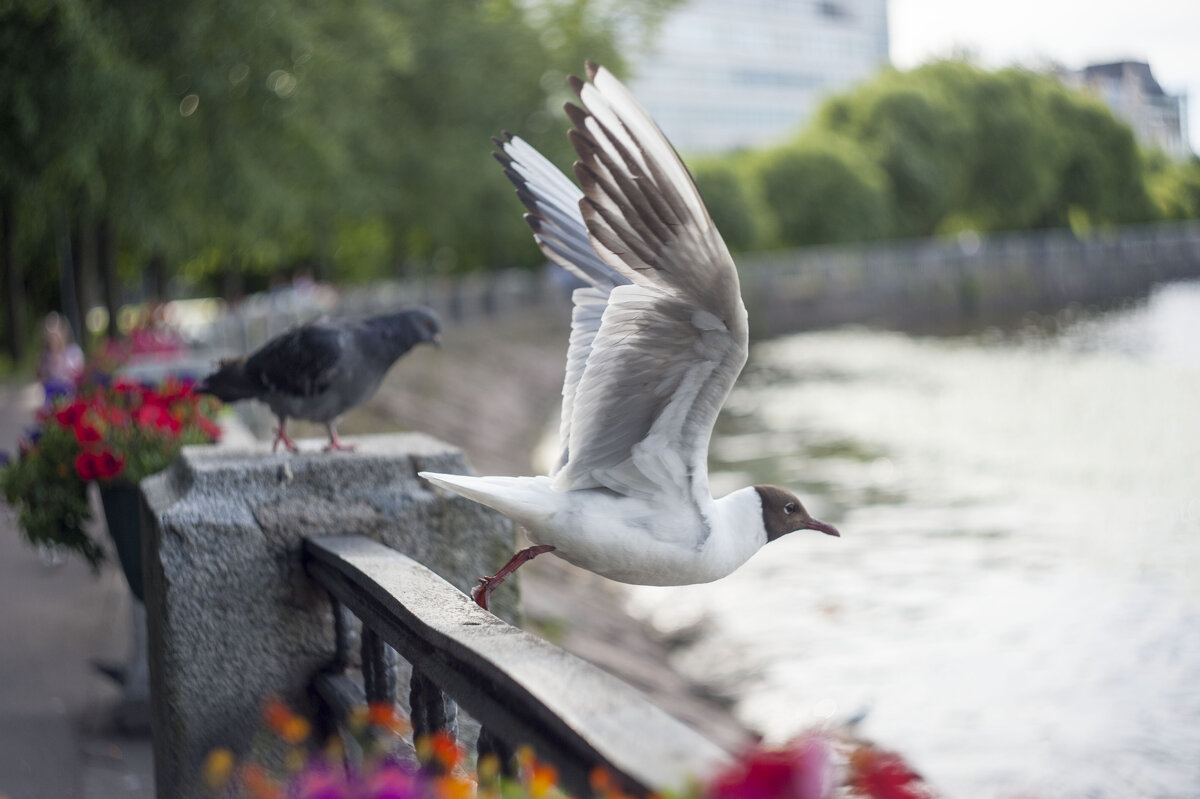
(575, 83)
(577, 115)
(592, 68)
(504, 159)
(527, 199)
(584, 146)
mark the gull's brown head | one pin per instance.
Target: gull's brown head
(783, 513)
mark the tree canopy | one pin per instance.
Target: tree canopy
(950, 146)
(141, 142)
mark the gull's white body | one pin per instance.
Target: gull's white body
(658, 337)
(631, 540)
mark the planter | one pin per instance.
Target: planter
(123, 512)
(122, 503)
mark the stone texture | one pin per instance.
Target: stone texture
(233, 618)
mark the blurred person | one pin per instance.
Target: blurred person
(61, 361)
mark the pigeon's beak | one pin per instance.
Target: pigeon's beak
(820, 526)
(437, 340)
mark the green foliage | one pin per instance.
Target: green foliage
(1175, 186)
(944, 148)
(50, 499)
(723, 187)
(912, 131)
(824, 191)
(257, 135)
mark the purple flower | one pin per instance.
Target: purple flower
(56, 389)
(394, 781)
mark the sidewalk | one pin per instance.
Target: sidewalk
(57, 737)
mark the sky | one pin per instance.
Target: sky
(1074, 33)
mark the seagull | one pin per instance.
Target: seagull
(658, 336)
(320, 370)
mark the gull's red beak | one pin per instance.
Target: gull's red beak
(820, 526)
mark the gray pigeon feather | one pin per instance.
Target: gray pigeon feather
(322, 369)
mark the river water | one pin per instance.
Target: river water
(1015, 602)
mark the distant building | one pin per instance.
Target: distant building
(723, 74)
(1129, 89)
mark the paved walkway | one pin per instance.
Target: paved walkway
(57, 736)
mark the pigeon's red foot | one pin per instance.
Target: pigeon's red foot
(281, 435)
(487, 585)
(336, 443)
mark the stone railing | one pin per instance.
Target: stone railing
(911, 283)
(261, 568)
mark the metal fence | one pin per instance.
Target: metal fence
(969, 278)
(521, 689)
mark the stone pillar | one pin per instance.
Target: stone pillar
(232, 617)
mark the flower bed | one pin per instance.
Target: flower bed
(369, 763)
(106, 430)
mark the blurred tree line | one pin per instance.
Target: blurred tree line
(213, 146)
(217, 143)
(940, 149)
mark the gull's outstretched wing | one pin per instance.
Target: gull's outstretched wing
(552, 201)
(672, 342)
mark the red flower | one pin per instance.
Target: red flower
(86, 433)
(153, 414)
(98, 466)
(209, 427)
(70, 415)
(109, 465)
(885, 775)
(85, 466)
(802, 770)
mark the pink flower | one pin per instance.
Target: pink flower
(393, 781)
(801, 770)
(321, 783)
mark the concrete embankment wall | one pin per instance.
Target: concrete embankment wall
(961, 281)
(964, 281)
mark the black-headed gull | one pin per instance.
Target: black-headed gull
(658, 337)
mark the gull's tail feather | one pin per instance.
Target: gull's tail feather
(519, 498)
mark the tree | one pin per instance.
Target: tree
(912, 131)
(821, 190)
(722, 184)
(199, 140)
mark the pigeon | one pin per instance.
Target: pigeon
(322, 369)
(658, 336)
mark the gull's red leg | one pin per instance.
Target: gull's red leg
(487, 585)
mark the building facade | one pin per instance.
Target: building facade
(723, 74)
(1130, 91)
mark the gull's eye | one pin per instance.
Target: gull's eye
(790, 507)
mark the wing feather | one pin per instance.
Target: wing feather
(671, 345)
(660, 334)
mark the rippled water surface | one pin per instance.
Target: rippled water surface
(1015, 603)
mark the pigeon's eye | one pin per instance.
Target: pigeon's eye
(790, 507)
